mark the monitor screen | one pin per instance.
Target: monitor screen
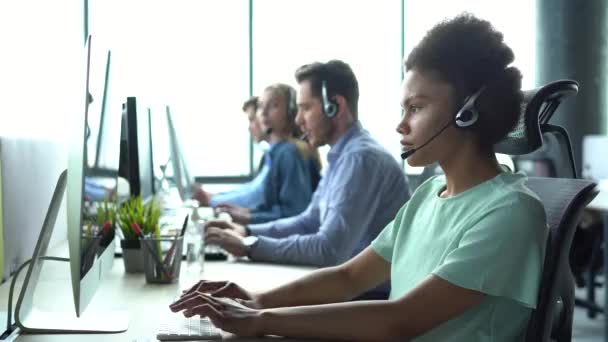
(90, 244)
(138, 148)
(98, 90)
(181, 174)
(107, 143)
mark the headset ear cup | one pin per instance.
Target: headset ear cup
(467, 117)
(291, 105)
(331, 109)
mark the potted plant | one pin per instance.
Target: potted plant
(145, 216)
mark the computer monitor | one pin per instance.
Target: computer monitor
(97, 120)
(94, 258)
(136, 166)
(183, 180)
(90, 254)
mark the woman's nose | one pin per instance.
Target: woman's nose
(403, 126)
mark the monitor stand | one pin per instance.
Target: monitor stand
(32, 320)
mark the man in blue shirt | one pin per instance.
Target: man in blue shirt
(250, 194)
(359, 194)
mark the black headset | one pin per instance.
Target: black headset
(468, 115)
(329, 106)
(292, 109)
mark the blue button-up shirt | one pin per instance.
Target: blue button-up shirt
(248, 195)
(360, 193)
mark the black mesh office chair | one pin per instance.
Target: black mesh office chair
(564, 201)
(586, 252)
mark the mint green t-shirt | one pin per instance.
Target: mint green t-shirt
(490, 238)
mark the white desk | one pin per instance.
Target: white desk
(146, 303)
(600, 203)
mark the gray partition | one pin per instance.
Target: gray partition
(30, 168)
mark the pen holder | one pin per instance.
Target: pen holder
(162, 258)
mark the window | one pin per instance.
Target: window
(41, 67)
(366, 35)
(191, 55)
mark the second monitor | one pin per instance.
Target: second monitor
(136, 149)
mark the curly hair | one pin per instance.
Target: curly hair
(469, 53)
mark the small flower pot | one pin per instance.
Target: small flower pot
(132, 255)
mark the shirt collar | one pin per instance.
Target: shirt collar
(355, 130)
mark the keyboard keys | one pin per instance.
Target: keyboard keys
(188, 329)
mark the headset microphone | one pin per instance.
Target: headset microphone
(408, 153)
(465, 118)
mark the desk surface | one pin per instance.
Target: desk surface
(146, 304)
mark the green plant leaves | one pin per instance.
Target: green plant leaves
(145, 215)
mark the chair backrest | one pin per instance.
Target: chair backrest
(564, 201)
(536, 166)
(525, 137)
(559, 150)
(551, 95)
(535, 141)
(538, 107)
(549, 161)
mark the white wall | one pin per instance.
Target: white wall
(41, 81)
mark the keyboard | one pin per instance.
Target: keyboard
(213, 252)
(180, 328)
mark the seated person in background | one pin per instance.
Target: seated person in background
(294, 166)
(360, 193)
(250, 194)
(464, 255)
(95, 191)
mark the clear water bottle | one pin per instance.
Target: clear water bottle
(194, 245)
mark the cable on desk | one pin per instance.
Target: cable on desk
(9, 313)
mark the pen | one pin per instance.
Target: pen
(171, 250)
(184, 225)
(157, 260)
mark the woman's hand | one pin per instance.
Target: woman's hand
(219, 289)
(230, 315)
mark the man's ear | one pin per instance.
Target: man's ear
(342, 104)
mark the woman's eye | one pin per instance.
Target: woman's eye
(413, 108)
